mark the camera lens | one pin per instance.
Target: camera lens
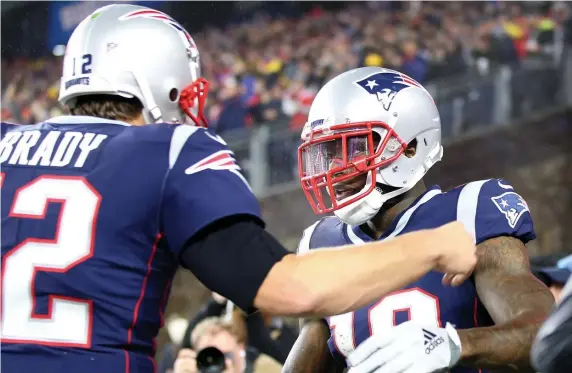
(210, 360)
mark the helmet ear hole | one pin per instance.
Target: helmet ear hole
(174, 95)
(411, 148)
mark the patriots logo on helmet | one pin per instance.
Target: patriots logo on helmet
(385, 85)
(511, 205)
(155, 14)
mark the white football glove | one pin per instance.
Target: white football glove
(407, 348)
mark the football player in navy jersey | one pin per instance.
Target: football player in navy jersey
(100, 207)
(371, 136)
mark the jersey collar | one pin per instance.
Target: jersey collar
(84, 119)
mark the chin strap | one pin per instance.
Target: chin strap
(152, 114)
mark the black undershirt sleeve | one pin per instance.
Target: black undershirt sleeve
(232, 257)
(552, 350)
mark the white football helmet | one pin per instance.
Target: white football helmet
(136, 52)
(352, 157)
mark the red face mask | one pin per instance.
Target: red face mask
(196, 90)
(334, 162)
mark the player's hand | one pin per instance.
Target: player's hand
(407, 348)
(457, 253)
(185, 362)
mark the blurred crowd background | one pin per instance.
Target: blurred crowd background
(267, 70)
(500, 72)
(484, 62)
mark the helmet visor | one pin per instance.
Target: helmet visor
(337, 153)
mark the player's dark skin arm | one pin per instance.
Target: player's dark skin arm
(310, 353)
(517, 302)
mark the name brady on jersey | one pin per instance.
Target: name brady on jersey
(52, 148)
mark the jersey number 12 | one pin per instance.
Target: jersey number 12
(68, 321)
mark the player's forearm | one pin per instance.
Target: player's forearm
(335, 281)
(502, 347)
(338, 287)
(310, 353)
(516, 301)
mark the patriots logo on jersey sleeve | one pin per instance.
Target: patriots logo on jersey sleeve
(385, 85)
(222, 160)
(511, 205)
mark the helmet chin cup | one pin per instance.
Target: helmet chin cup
(365, 208)
(362, 210)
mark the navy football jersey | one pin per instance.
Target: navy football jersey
(94, 215)
(487, 208)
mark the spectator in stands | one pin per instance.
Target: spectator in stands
(216, 332)
(270, 77)
(553, 270)
(269, 336)
(233, 110)
(552, 349)
(413, 64)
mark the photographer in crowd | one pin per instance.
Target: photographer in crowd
(266, 335)
(219, 347)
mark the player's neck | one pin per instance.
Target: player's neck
(138, 121)
(394, 207)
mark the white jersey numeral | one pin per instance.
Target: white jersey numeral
(423, 308)
(69, 320)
